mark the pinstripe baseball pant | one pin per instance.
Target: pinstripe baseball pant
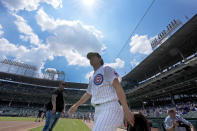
(108, 116)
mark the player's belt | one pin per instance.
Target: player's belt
(97, 104)
(103, 103)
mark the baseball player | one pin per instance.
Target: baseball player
(105, 90)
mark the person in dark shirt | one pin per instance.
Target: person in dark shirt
(54, 108)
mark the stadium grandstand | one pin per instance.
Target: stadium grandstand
(22, 90)
(167, 77)
(169, 72)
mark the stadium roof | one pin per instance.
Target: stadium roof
(22, 89)
(181, 44)
(180, 80)
(39, 81)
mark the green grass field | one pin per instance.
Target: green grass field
(67, 125)
(62, 125)
(17, 119)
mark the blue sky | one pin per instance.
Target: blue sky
(58, 34)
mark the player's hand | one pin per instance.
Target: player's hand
(176, 123)
(192, 128)
(129, 117)
(72, 109)
(54, 110)
(63, 112)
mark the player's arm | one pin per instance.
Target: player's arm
(83, 99)
(187, 123)
(171, 128)
(53, 100)
(122, 97)
(64, 105)
(192, 127)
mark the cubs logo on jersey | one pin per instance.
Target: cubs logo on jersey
(98, 79)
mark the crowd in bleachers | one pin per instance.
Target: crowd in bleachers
(170, 68)
(32, 111)
(82, 115)
(187, 110)
(6, 110)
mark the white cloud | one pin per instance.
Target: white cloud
(1, 31)
(29, 5)
(88, 75)
(74, 58)
(45, 22)
(7, 48)
(140, 44)
(36, 55)
(33, 56)
(54, 3)
(71, 39)
(134, 63)
(117, 64)
(26, 30)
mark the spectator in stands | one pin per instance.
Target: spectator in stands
(43, 114)
(157, 114)
(40, 111)
(147, 112)
(174, 122)
(54, 108)
(184, 112)
(193, 108)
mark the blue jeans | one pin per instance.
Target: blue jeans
(51, 120)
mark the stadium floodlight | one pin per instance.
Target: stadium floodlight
(16, 67)
(61, 75)
(53, 74)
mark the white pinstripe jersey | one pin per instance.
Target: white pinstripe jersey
(100, 85)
